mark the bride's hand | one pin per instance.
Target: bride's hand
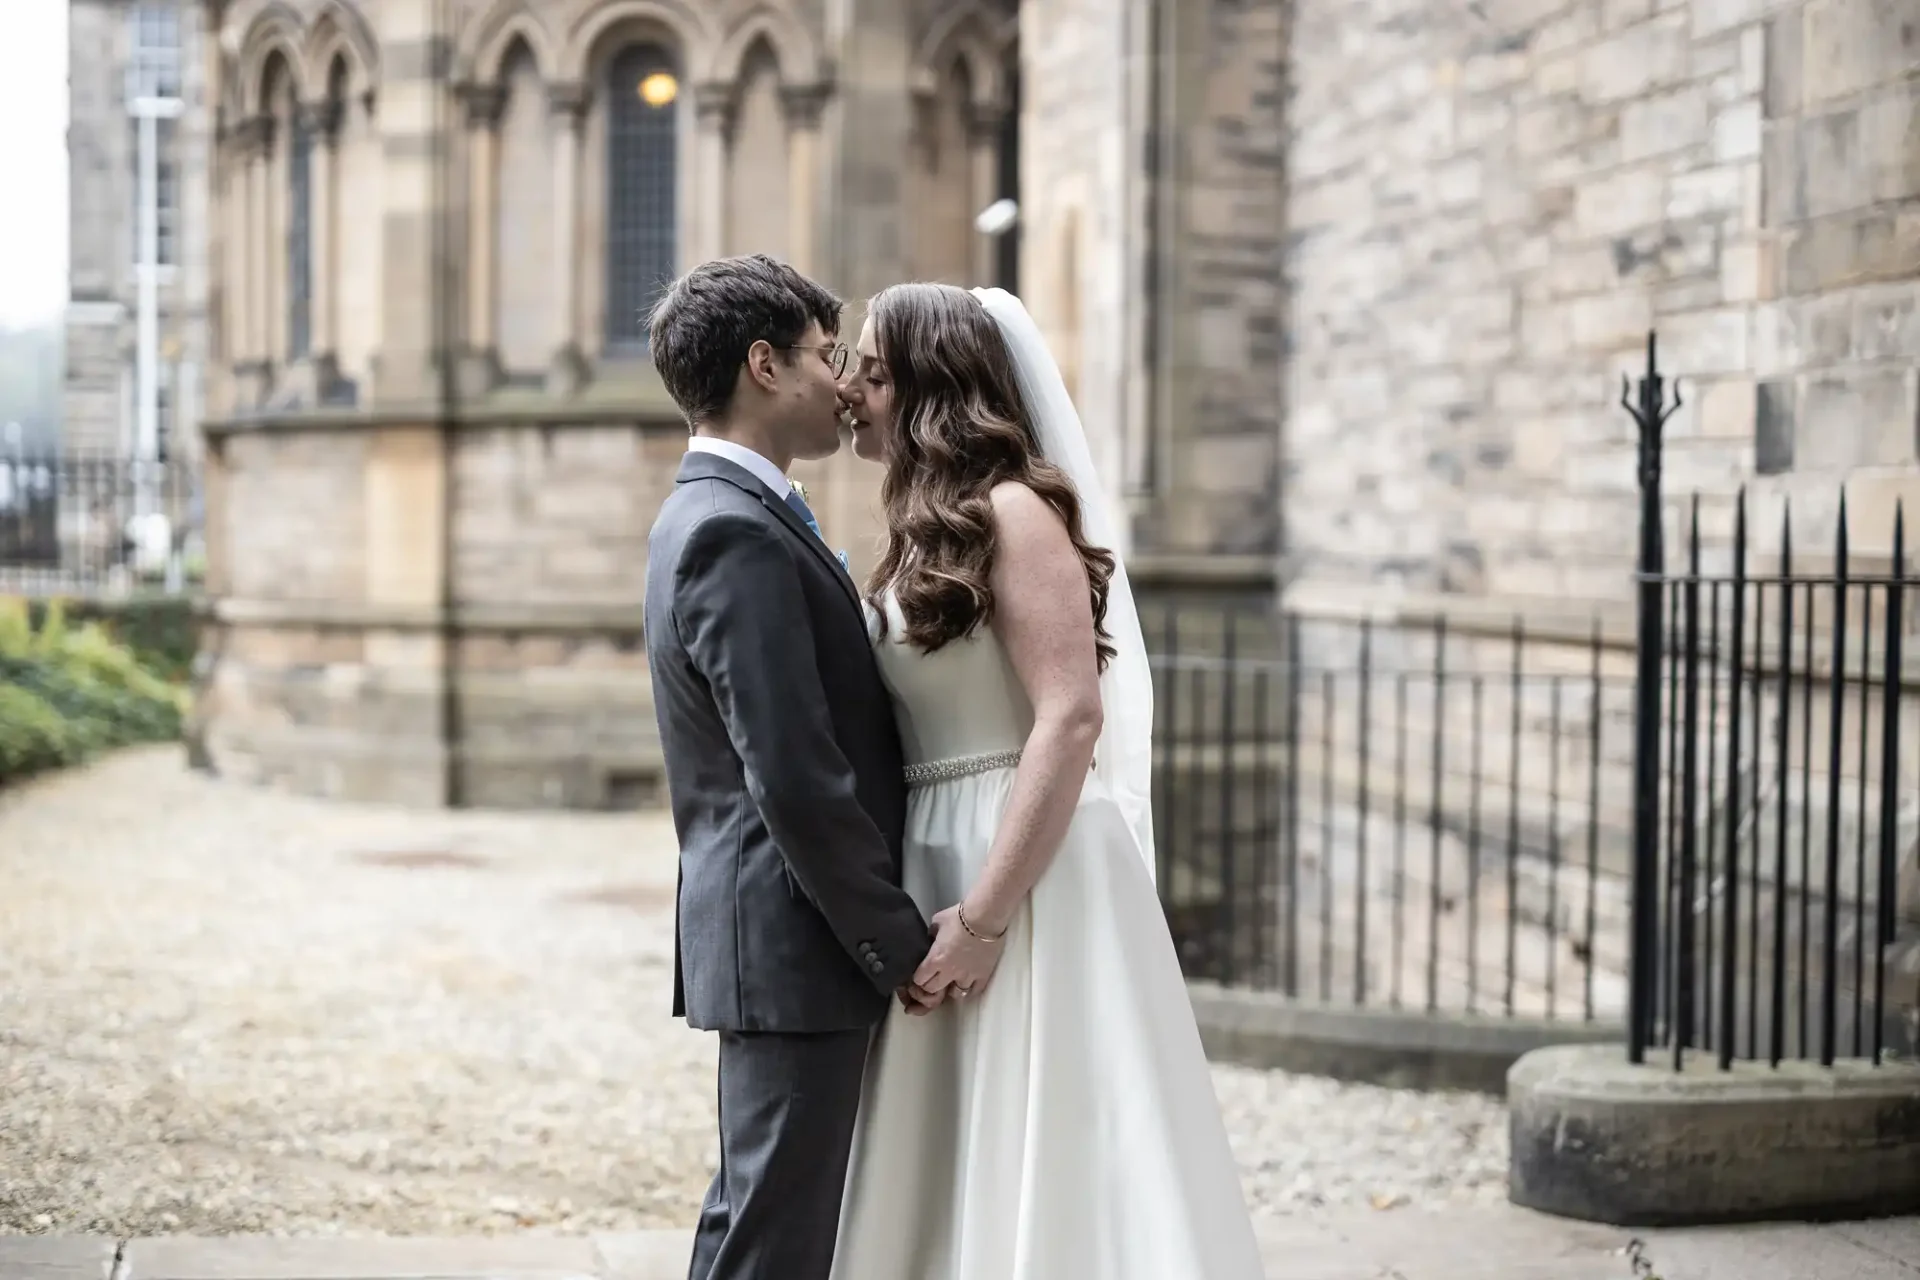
(957, 959)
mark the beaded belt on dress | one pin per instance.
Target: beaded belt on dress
(919, 775)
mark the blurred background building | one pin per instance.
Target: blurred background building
(138, 144)
(1344, 294)
(101, 493)
(436, 440)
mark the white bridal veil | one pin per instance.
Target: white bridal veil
(1124, 758)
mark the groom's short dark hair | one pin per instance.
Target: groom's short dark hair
(701, 329)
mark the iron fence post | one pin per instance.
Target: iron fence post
(1650, 415)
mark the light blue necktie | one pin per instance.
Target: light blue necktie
(801, 509)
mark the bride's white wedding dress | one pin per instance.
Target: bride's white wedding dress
(1062, 1123)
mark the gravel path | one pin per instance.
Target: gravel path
(229, 1010)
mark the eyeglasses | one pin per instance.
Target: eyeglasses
(836, 356)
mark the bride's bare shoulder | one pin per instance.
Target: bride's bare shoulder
(1026, 526)
(1017, 510)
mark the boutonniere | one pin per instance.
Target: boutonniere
(802, 491)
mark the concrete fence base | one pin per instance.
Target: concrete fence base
(1399, 1048)
(1598, 1139)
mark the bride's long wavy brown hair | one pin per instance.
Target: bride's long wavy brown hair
(959, 429)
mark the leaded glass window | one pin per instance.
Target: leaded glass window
(153, 67)
(642, 189)
(299, 235)
(166, 190)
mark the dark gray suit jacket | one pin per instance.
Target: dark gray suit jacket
(783, 766)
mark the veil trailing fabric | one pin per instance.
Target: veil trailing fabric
(1124, 757)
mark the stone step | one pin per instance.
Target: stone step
(1495, 1242)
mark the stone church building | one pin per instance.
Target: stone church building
(1343, 287)
(435, 441)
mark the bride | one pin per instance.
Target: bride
(1038, 1106)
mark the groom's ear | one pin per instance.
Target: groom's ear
(760, 365)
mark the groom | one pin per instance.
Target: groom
(783, 765)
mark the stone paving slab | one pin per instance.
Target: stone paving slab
(515, 1257)
(1789, 1252)
(1895, 1238)
(644, 1255)
(1470, 1243)
(55, 1257)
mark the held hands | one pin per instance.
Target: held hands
(917, 1000)
(958, 966)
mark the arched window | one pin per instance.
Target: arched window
(1007, 177)
(643, 96)
(299, 234)
(281, 215)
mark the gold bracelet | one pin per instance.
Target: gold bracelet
(962, 910)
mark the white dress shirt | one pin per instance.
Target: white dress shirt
(738, 454)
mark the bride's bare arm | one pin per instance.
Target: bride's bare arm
(1044, 619)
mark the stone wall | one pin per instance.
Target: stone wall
(558, 518)
(1076, 228)
(294, 523)
(1492, 204)
(416, 615)
(1836, 334)
(1208, 470)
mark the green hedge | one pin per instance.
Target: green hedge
(161, 630)
(68, 693)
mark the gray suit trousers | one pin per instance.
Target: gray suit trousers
(787, 1109)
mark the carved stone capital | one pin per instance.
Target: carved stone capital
(321, 120)
(985, 120)
(567, 102)
(713, 105)
(253, 136)
(567, 371)
(803, 103)
(483, 103)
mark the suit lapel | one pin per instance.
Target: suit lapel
(814, 542)
(700, 466)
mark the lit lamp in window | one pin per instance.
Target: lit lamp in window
(659, 89)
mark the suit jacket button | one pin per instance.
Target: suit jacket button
(876, 965)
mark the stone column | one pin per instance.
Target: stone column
(234, 236)
(408, 376)
(567, 371)
(713, 131)
(873, 128)
(480, 357)
(254, 373)
(802, 105)
(219, 354)
(984, 122)
(406, 537)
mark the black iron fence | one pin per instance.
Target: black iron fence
(1702, 828)
(1395, 816)
(1773, 811)
(80, 523)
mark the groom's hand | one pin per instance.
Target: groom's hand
(918, 1000)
